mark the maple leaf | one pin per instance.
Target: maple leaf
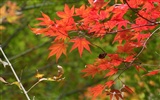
(45, 20)
(38, 31)
(98, 3)
(152, 73)
(129, 58)
(109, 83)
(67, 12)
(90, 70)
(57, 49)
(112, 72)
(115, 94)
(126, 48)
(80, 11)
(104, 66)
(96, 90)
(115, 59)
(139, 67)
(80, 43)
(142, 36)
(126, 88)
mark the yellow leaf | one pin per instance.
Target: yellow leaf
(17, 83)
(38, 75)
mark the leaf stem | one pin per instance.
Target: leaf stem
(23, 89)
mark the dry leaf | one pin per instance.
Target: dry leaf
(4, 63)
(2, 80)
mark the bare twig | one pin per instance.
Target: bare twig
(18, 80)
(42, 79)
(37, 6)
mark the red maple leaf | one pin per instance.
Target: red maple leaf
(129, 58)
(152, 73)
(58, 48)
(80, 11)
(104, 66)
(126, 48)
(80, 43)
(115, 94)
(115, 59)
(109, 83)
(67, 12)
(126, 89)
(139, 67)
(96, 90)
(45, 20)
(112, 72)
(97, 3)
(90, 70)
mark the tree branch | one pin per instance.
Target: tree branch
(18, 80)
(144, 46)
(29, 50)
(138, 13)
(130, 28)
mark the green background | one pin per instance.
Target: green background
(28, 53)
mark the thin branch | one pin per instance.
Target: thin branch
(144, 46)
(18, 80)
(130, 28)
(138, 13)
(42, 79)
(99, 47)
(4, 45)
(37, 6)
(29, 50)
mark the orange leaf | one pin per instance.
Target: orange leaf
(97, 90)
(112, 72)
(129, 58)
(90, 70)
(45, 20)
(109, 83)
(80, 43)
(139, 67)
(152, 73)
(80, 11)
(57, 49)
(67, 12)
(38, 31)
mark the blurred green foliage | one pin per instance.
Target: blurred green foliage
(29, 53)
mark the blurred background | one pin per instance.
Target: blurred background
(28, 53)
